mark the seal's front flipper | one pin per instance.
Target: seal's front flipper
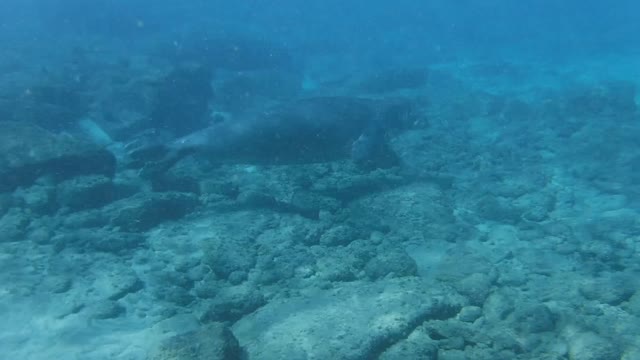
(372, 150)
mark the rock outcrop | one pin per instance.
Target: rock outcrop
(28, 152)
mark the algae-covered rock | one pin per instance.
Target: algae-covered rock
(13, 226)
(101, 240)
(589, 346)
(211, 342)
(391, 262)
(232, 303)
(28, 152)
(146, 210)
(86, 192)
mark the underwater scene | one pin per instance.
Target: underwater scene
(319, 180)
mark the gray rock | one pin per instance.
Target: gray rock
(411, 349)
(226, 255)
(345, 184)
(612, 288)
(589, 346)
(448, 354)
(633, 305)
(85, 219)
(232, 303)
(476, 287)
(13, 226)
(223, 188)
(40, 235)
(470, 313)
(175, 294)
(237, 277)
(353, 321)
(98, 240)
(207, 289)
(534, 319)
(57, 284)
(86, 192)
(252, 198)
(499, 305)
(392, 262)
(307, 205)
(498, 209)
(124, 284)
(339, 235)
(28, 152)
(5, 203)
(116, 242)
(39, 198)
(174, 277)
(106, 309)
(147, 210)
(339, 266)
(310, 204)
(211, 342)
(419, 210)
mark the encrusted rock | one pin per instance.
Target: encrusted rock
(146, 210)
(393, 262)
(86, 192)
(211, 342)
(13, 226)
(106, 309)
(28, 152)
(352, 321)
(98, 240)
(589, 346)
(232, 303)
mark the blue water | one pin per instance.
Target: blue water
(277, 179)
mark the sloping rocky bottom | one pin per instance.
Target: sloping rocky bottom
(505, 234)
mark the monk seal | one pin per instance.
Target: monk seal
(309, 130)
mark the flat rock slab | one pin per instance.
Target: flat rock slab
(353, 321)
(28, 152)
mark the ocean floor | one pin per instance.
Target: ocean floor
(510, 230)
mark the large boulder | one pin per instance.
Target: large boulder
(28, 152)
(352, 321)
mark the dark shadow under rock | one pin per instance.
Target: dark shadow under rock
(28, 152)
